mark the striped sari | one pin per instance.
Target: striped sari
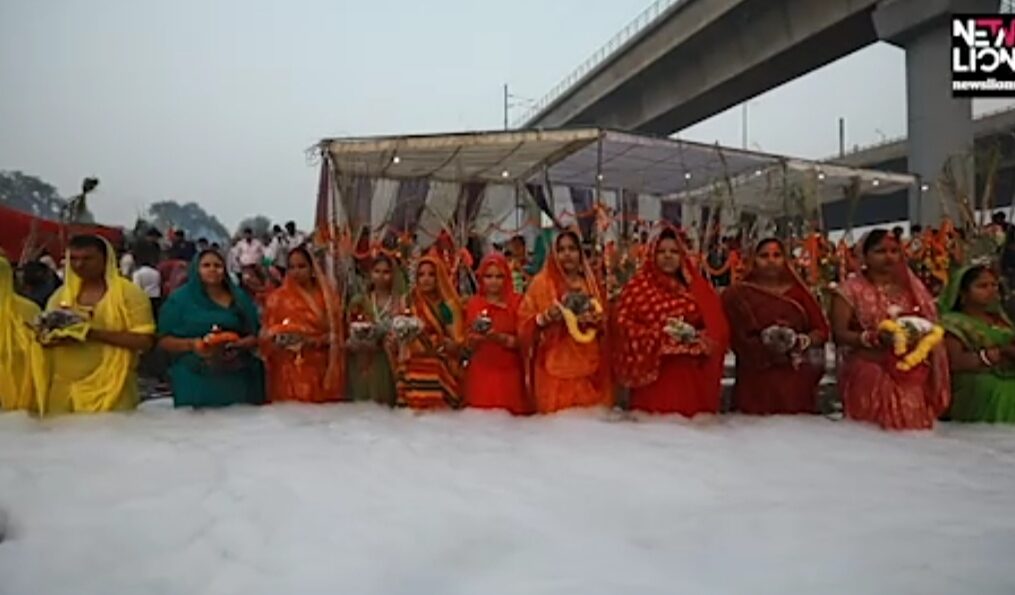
(428, 375)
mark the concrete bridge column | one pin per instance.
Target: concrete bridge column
(940, 127)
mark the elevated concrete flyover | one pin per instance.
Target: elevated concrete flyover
(701, 57)
(994, 131)
(697, 58)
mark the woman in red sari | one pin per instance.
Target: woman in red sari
(667, 373)
(564, 372)
(495, 378)
(775, 379)
(430, 368)
(306, 305)
(873, 389)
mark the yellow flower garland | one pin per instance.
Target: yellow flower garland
(571, 321)
(924, 346)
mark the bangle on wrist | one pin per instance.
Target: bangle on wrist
(984, 359)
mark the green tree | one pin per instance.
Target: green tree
(189, 217)
(34, 196)
(259, 223)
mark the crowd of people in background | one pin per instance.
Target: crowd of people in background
(565, 325)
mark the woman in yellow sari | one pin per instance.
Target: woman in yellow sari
(22, 361)
(99, 372)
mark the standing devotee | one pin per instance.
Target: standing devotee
(182, 248)
(430, 368)
(981, 347)
(370, 364)
(775, 322)
(47, 259)
(669, 371)
(521, 267)
(22, 360)
(38, 282)
(495, 378)
(98, 372)
(306, 308)
(147, 277)
(276, 251)
(872, 385)
(210, 327)
(173, 273)
(258, 283)
(566, 370)
(127, 264)
(293, 238)
(247, 251)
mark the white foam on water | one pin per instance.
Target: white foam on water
(360, 499)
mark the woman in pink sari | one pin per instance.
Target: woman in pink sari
(873, 389)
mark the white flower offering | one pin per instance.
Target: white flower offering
(680, 331)
(406, 328)
(780, 339)
(362, 331)
(62, 323)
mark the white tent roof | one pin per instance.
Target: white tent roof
(675, 170)
(764, 189)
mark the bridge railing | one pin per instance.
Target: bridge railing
(633, 28)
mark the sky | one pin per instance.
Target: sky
(216, 101)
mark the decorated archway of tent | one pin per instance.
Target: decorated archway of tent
(491, 185)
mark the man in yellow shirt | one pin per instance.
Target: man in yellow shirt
(100, 372)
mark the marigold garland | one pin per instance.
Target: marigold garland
(900, 341)
(571, 321)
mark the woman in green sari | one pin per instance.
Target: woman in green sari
(980, 345)
(370, 371)
(203, 374)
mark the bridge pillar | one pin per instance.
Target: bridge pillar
(940, 127)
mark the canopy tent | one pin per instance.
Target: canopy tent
(488, 177)
(24, 236)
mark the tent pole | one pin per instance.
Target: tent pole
(599, 187)
(551, 200)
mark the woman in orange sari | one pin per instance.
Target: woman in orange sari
(774, 376)
(564, 372)
(672, 335)
(302, 334)
(495, 378)
(430, 367)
